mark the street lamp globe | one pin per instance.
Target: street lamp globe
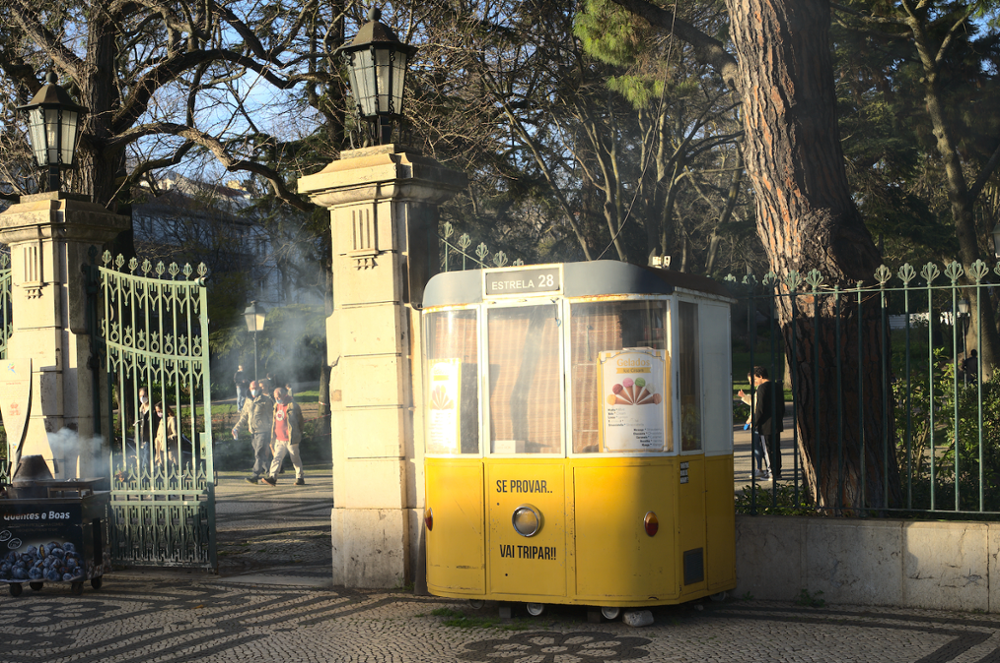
(377, 63)
(254, 316)
(53, 128)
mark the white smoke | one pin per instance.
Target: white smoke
(75, 456)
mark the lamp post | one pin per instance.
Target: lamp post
(53, 128)
(963, 316)
(254, 316)
(377, 62)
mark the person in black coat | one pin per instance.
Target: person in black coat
(768, 415)
(242, 381)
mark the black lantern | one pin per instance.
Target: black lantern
(377, 63)
(53, 128)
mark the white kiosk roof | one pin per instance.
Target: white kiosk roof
(572, 279)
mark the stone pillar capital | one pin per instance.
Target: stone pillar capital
(59, 216)
(382, 173)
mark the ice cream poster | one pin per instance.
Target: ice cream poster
(632, 399)
(444, 407)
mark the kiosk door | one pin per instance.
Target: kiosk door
(525, 473)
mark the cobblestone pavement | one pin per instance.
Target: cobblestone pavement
(270, 534)
(143, 619)
(272, 602)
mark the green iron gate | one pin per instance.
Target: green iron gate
(153, 335)
(5, 330)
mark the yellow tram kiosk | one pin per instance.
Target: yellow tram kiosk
(579, 436)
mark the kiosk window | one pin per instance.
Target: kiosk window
(689, 370)
(452, 375)
(525, 378)
(602, 327)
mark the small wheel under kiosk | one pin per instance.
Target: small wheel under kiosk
(15, 589)
(96, 582)
(36, 585)
(534, 609)
(77, 588)
(611, 612)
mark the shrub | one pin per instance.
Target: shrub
(780, 501)
(952, 443)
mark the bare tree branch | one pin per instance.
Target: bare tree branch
(169, 70)
(64, 58)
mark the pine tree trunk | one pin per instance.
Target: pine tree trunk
(807, 220)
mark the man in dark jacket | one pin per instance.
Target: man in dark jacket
(768, 415)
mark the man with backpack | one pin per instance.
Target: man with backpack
(286, 434)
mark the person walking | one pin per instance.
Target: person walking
(288, 388)
(768, 418)
(146, 428)
(165, 446)
(286, 434)
(242, 381)
(256, 415)
(760, 466)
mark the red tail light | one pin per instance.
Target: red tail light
(429, 518)
(651, 524)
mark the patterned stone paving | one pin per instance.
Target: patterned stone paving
(271, 602)
(140, 619)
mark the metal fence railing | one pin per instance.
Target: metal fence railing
(455, 249)
(6, 328)
(894, 406)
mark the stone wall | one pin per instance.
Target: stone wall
(943, 565)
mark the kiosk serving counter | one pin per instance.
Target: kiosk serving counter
(579, 436)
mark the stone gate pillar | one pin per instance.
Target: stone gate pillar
(383, 204)
(49, 235)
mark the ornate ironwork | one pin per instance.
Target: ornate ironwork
(153, 335)
(5, 314)
(6, 326)
(479, 259)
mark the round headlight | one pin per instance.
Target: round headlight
(527, 520)
(651, 523)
